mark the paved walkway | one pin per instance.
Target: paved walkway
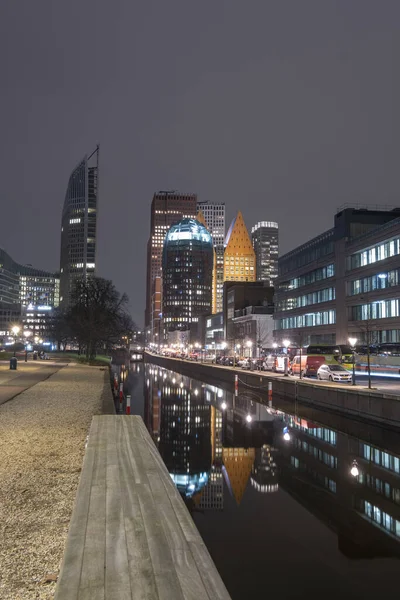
(42, 443)
(13, 383)
(131, 536)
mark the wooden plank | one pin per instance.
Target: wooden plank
(184, 517)
(188, 574)
(117, 582)
(70, 572)
(93, 561)
(212, 581)
(131, 536)
(143, 583)
(167, 581)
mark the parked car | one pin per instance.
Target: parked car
(269, 363)
(309, 365)
(333, 372)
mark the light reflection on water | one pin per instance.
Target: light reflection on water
(279, 479)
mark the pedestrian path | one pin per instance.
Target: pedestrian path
(13, 383)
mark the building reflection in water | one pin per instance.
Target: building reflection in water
(207, 437)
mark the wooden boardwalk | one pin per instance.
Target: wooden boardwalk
(131, 535)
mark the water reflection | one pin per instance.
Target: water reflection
(207, 436)
(277, 479)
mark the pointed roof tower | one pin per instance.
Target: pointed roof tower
(238, 463)
(239, 256)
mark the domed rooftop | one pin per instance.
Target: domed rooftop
(188, 229)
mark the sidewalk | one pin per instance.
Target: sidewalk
(13, 383)
(42, 442)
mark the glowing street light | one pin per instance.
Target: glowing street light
(223, 406)
(15, 329)
(354, 471)
(249, 418)
(286, 343)
(353, 342)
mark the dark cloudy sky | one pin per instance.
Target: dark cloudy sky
(285, 109)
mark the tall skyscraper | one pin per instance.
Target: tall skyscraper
(239, 256)
(78, 226)
(214, 217)
(265, 238)
(167, 207)
(188, 258)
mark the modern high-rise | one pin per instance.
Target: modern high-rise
(265, 238)
(167, 208)
(78, 226)
(25, 289)
(188, 258)
(239, 255)
(214, 217)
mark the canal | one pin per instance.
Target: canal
(289, 500)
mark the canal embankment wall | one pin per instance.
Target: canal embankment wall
(362, 403)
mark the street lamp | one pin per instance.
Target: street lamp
(249, 344)
(286, 343)
(353, 342)
(15, 330)
(275, 347)
(236, 351)
(354, 471)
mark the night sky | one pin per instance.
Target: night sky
(286, 109)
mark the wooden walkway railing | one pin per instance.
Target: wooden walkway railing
(131, 535)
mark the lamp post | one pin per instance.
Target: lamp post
(223, 346)
(286, 343)
(15, 330)
(353, 342)
(275, 347)
(236, 351)
(249, 344)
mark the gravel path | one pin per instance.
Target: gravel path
(42, 442)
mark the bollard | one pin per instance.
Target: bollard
(128, 404)
(270, 394)
(121, 395)
(236, 384)
(115, 381)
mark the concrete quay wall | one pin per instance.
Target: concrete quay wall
(369, 405)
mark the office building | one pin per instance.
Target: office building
(248, 315)
(188, 258)
(239, 255)
(78, 226)
(167, 208)
(214, 217)
(265, 238)
(343, 283)
(23, 287)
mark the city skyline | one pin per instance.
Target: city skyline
(263, 113)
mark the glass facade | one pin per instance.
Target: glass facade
(374, 254)
(324, 295)
(379, 281)
(328, 459)
(325, 317)
(265, 239)
(381, 309)
(188, 257)
(314, 250)
(380, 518)
(78, 226)
(214, 216)
(380, 457)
